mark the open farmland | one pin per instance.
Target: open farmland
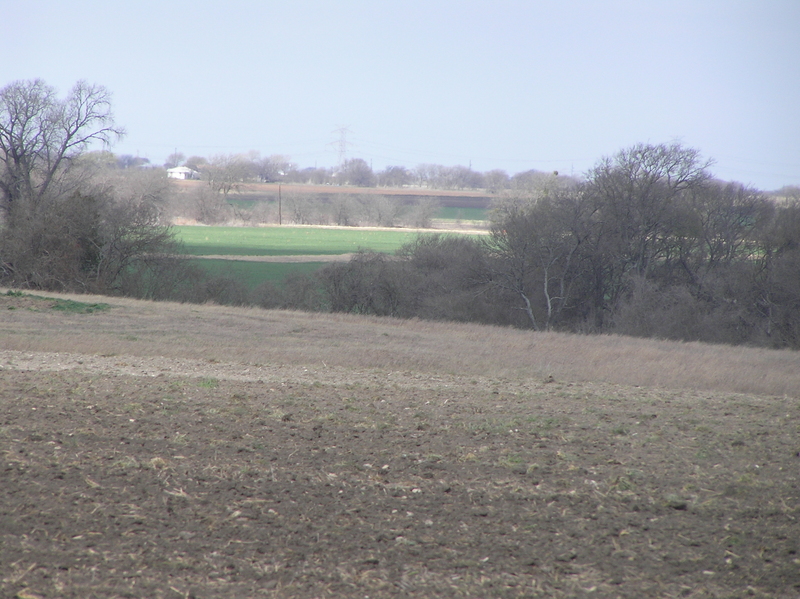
(288, 241)
(455, 206)
(269, 192)
(257, 254)
(165, 450)
(254, 255)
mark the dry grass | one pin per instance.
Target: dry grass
(254, 336)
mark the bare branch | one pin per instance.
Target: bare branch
(40, 134)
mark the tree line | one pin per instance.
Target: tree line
(648, 243)
(250, 166)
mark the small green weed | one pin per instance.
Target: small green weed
(513, 461)
(74, 307)
(62, 305)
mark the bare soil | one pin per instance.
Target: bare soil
(144, 457)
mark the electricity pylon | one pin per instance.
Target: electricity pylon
(342, 143)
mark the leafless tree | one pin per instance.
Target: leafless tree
(356, 172)
(174, 159)
(274, 168)
(227, 172)
(394, 176)
(536, 247)
(496, 180)
(423, 211)
(40, 135)
(71, 219)
(636, 192)
(196, 163)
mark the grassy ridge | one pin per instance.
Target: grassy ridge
(287, 241)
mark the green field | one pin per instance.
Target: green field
(279, 241)
(253, 274)
(463, 214)
(287, 241)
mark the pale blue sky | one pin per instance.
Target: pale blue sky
(496, 83)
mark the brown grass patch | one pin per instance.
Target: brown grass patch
(255, 336)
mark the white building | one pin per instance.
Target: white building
(182, 172)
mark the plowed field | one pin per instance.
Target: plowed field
(141, 460)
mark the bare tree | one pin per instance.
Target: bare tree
(356, 172)
(724, 228)
(174, 159)
(394, 176)
(427, 174)
(496, 180)
(777, 282)
(461, 177)
(536, 246)
(129, 238)
(370, 283)
(227, 173)
(382, 211)
(196, 163)
(639, 197)
(274, 168)
(421, 215)
(40, 135)
(72, 219)
(636, 191)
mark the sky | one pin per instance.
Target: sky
(490, 84)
